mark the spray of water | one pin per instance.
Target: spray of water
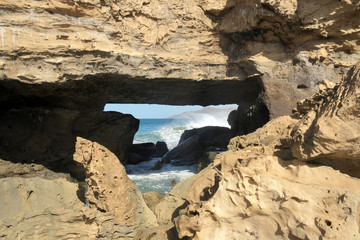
(171, 132)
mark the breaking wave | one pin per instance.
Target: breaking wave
(170, 130)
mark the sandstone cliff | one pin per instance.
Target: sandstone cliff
(256, 194)
(78, 52)
(62, 61)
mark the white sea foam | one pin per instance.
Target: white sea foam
(171, 132)
(161, 181)
(149, 180)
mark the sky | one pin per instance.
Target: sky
(155, 110)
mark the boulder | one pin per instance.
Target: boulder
(185, 148)
(248, 117)
(188, 160)
(109, 188)
(194, 144)
(209, 136)
(137, 158)
(161, 149)
(144, 149)
(32, 196)
(330, 134)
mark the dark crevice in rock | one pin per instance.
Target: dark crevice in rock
(210, 191)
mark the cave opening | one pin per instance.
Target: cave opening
(173, 142)
(41, 122)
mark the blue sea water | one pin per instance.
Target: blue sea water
(151, 130)
(169, 131)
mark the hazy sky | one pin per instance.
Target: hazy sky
(155, 110)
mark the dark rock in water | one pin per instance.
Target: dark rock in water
(188, 160)
(209, 136)
(137, 158)
(185, 148)
(157, 165)
(161, 149)
(195, 143)
(143, 149)
(248, 117)
(233, 120)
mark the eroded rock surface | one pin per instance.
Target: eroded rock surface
(252, 192)
(262, 197)
(79, 53)
(36, 203)
(109, 188)
(331, 133)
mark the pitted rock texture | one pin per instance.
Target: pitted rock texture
(331, 133)
(43, 208)
(109, 188)
(260, 196)
(80, 53)
(258, 190)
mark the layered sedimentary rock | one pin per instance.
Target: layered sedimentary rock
(62, 61)
(91, 52)
(258, 190)
(330, 134)
(73, 57)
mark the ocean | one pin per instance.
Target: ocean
(169, 131)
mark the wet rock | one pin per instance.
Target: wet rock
(188, 160)
(157, 166)
(194, 144)
(137, 158)
(161, 149)
(209, 136)
(183, 149)
(144, 149)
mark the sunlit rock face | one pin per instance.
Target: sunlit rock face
(87, 53)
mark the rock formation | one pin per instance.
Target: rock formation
(256, 194)
(110, 189)
(62, 61)
(331, 134)
(36, 203)
(77, 54)
(47, 135)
